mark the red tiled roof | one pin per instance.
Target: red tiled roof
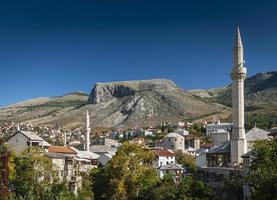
(60, 149)
(163, 152)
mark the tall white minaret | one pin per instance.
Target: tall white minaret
(87, 132)
(238, 74)
(64, 138)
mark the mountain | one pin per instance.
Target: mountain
(260, 97)
(132, 104)
(122, 105)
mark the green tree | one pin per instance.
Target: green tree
(186, 160)
(262, 175)
(127, 175)
(33, 178)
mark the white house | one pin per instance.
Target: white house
(175, 169)
(214, 127)
(86, 160)
(163, 157)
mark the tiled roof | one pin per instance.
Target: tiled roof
(163, 152)
(59, 155)
(60, 149)
(85, 154)
(173, 135)
(248, 154)
(101, 148)
(31, 135)
(171, 166)
(256, 134)
(224, 148)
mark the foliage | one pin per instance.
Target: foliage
(33, 178)
(188, 188)
(186, 160)
(234, 185)
(265, 120)
(263, 170)
(127, 175)
(197, 129)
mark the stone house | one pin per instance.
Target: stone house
(21, 140)
(174, 141)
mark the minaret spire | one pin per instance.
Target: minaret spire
(87, 132)
(238, 42)
(238, 74)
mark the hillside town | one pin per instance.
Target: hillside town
(208, 151)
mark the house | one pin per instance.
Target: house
(63, 160)
(254, 135)
(86, 160)
(172, 168)
(104, 158)
(212, 128)
(174, 141)
(22, 140)
(219, 137)
(182, 132)
(165, 163)
(200, 160)
(102, 149)
(163, 157)
(219, 156)
(191, 142)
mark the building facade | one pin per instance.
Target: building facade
(214, 127)
(174, 141)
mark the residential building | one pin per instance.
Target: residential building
(163, 157)
(21, 140)
(219, 137)
(255, 134)
(174, 141)
(214, 127)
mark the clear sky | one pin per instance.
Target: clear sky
(52, 47)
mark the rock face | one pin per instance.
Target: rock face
(132, 104)
(103, 92)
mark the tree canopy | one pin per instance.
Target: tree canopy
(262, 174)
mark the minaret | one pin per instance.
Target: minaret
(64, 138)
(238, 74)
(87, 133)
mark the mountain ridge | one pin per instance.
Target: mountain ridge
(141, 103)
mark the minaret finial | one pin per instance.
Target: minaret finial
(238, 42)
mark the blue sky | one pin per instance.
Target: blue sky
(49, 48)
